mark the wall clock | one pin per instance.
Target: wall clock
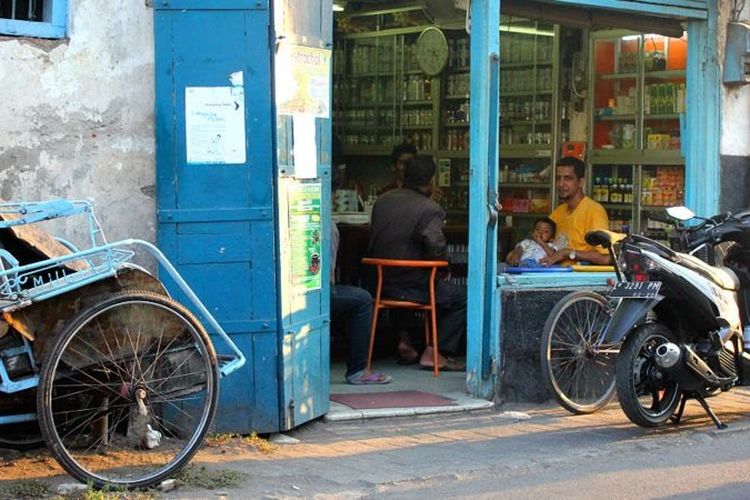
(432, 51)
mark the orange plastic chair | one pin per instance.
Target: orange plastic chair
(430, 320)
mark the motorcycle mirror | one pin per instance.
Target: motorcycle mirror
(680, 213)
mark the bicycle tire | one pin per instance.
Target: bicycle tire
(563, 352)
(108, 421)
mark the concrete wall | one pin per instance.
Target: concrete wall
(735, 133)
(77, 116)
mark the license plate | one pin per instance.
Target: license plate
(636, 290)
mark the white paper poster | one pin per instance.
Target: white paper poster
(303, 81)
(215, 124)
(305, 147)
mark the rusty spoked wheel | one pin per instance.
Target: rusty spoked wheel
(128, 391)
(578, 366)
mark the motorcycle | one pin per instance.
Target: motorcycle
(679, 319)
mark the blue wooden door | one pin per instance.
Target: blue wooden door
(302, 70)
(215, 184)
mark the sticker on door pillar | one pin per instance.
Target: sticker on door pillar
(303, 82)
(305, 235)
(215, 125)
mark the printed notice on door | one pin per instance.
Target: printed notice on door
(303, 82)
(304, 235)
(215, 125)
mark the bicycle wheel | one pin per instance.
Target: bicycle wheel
(128, 391)
(578, 367)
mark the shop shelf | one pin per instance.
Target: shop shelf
(525, 64)
(618, 206)
(416, 103)
(524, 151)
(361, 105)
(615, 157)
(665, 75)
(367, 150)
(616, 76)
(654, 208)
(615, 118)
(670, 116)
(416, 127)
(526, 93)
(663, 157)
(526, 185)
(370, 75)
(448, 153)
(526, 122)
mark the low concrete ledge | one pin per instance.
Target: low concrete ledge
(527, 300)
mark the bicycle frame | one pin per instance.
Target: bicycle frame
(24, 285)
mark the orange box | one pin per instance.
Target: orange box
(576, 149)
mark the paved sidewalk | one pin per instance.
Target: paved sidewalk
(392, 456)
(418, 455)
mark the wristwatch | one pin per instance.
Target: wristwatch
(572, 255)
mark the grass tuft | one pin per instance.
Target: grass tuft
(201, 477)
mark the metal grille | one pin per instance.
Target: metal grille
(22, 10)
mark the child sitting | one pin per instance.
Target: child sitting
(530, 251)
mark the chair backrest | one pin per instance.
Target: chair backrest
(424, 264)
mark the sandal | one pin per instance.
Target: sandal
(364, 378)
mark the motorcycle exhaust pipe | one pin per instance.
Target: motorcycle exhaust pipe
(669, 356)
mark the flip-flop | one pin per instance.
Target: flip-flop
(362, 378)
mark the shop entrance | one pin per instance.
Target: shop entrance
(573, 80)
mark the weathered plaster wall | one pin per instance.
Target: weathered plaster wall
(735, 131)
(735, 138)
(76, 116)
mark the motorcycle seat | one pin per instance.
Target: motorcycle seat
(721, 276)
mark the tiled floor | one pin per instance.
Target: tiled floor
(448, 384)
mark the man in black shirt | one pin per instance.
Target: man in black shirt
(408, 225)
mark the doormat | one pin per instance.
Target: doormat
(397, 399)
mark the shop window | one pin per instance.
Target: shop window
(33, 18)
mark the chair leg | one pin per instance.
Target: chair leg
(373, 327)
(426, 329)
(435, 354)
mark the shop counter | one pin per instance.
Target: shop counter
(527, 300)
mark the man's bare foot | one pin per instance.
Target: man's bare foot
(444, 363)
(407, 355)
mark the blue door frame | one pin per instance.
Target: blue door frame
(702, 157)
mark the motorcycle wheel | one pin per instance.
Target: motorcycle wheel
(578, 367)
(646, 398)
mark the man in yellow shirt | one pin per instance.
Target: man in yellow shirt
(577, 215)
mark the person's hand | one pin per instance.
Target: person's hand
(436, 194)
(556, 257)
(513, 258)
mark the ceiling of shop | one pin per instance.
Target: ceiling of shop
(442, 12)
